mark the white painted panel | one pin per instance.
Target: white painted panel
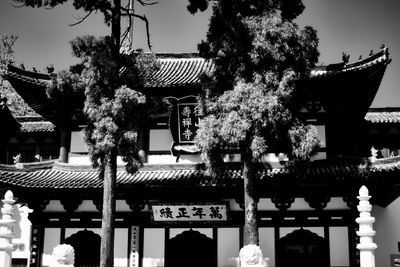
(321, 134)
(267, 244)
(121, 247)
(78, 145)
(87, 205)
(176, 231)
(337, 203)
(233, 205)
(53, 206)
(51, 240)
(339, 246)
(160, 140)
(228, 247)
(153, 247)
(300, 204)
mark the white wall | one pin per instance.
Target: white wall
(387, 227)
(267, 244)
(153, 247)
(339, 246)
(228, 246)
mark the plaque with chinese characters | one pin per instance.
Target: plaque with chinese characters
(189, 212)
(188, 117)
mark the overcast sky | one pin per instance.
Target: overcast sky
(355, 26)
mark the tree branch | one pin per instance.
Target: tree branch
(126, 32)
(143, 18)
(82, 19)
(16, 1)
(146, 4)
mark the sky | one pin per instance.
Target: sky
(354, 27)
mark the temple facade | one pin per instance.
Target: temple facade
(171, 213)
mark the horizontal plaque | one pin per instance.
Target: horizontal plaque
(189, 212)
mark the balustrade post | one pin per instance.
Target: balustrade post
(366, 232)
(6, 230)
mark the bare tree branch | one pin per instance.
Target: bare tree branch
(143, 3)
(22, 5)
(130, 13)
(126, 32)
(144, 19)
(82, 19)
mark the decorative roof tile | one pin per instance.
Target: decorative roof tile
(383, 115)
(34, 124)
(180, 72)
(382, 57)
(65, 176)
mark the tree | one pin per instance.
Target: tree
(112, 104)
(15, 103)
(252, 100)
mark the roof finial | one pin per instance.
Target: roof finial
(383, 46)
(34, 69)
(50, 69)
(371, 52)
(345, 57)
(360, 57)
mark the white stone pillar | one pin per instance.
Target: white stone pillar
(6, 230)
(366, 232)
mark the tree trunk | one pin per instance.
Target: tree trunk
(110, 161)
(250, 204)
(107, 227)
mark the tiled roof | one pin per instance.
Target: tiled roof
(382, 57)
(187, 69)
(383, 115)
(56, 175)
(180, 72)
(34, 124)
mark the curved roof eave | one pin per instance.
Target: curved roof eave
(176, 73)
(56, 175)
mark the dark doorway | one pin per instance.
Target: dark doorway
(303, 248)
(86, 245)
(191, 248)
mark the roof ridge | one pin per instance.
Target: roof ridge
(28, 166)
(384, 109)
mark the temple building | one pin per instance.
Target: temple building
(170, 213)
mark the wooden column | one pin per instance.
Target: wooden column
(64, 145)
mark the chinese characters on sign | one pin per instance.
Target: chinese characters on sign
(174, 213)
(189, 116)
(134, 254)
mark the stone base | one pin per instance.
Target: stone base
(251, 256)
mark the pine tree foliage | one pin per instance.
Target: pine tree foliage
(114, 106)
(252, 100)
(15, 103)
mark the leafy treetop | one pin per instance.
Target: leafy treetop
(114, 105)
(252, 99)
(15, 103)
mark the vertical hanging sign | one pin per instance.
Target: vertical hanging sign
(184, 121)
(134, 253)
(188, 121)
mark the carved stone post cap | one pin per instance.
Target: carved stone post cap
(9, 195)
(251, 256)
(363, 192)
